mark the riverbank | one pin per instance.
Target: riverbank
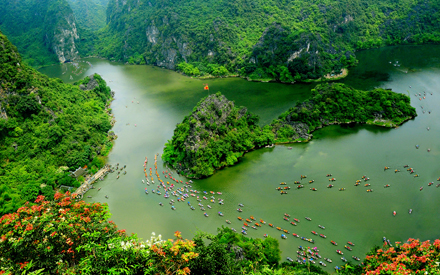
(327, 77)
(377, 122)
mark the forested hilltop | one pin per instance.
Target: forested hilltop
(337, 103)
(46, 129)
(278, 39)
(216, 133)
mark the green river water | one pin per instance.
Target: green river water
(348, 152)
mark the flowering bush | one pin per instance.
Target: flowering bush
(67, 237)
(49, 232)
(413, 257)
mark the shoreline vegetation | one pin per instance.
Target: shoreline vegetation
(279, 74)
(327, 77)
(216, 133)
(48, 128)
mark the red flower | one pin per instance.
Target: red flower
(29, 227)
(39, 198)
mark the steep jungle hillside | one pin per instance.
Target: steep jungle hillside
(281, 39)
(46, 129)
(335, 104)
(214, 135)
(45, 31)
(90, 14)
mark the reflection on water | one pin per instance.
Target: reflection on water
(347, 152)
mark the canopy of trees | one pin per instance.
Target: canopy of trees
(261, 39)
(335, 103)
(214, 135)
(46, 129)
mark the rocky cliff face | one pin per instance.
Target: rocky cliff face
(44, 31)
(64, 40)
(214, 135)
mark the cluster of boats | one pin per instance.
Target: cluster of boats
(184, 193)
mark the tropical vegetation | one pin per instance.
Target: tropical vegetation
(39, 29)
(336, 103)
(62, 236)
(47, 128)
(214, 135)
(262, 39)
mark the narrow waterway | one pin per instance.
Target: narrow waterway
(150, 102)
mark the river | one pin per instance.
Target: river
(347, 152)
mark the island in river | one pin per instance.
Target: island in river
(216, 133)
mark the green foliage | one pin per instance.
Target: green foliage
(216, 134)
(67, 237)
(337, 103)
(50, 124)
(188, 69)
(309, 38)
(232, 253)
(36, 27)
(90, 14)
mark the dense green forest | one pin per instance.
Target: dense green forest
(334, 103)
(46, 129)
(61, 236)
(285, 40)
(214, 135)
(90, 14)
(44, 31)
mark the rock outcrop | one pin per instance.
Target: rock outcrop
(214, 135)
(44, 31)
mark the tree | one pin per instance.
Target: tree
(28, 105)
